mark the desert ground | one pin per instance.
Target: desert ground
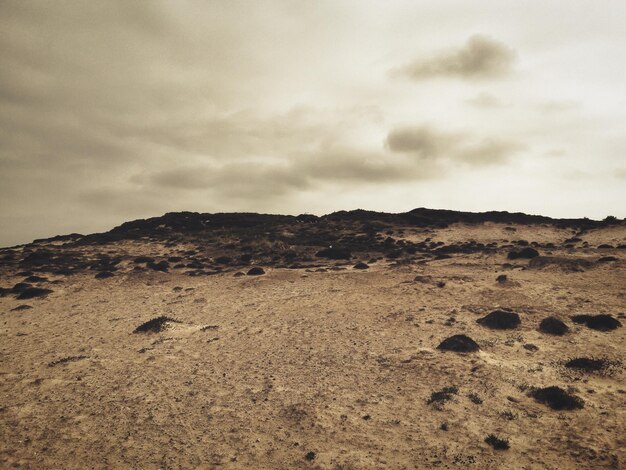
(155, 345)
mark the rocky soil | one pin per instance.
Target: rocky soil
(430, 339)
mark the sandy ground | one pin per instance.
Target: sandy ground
(300, 369)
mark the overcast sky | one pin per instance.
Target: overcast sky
(116, 110)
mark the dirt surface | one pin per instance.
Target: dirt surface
(315, 363)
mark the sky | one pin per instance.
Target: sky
(117, 110)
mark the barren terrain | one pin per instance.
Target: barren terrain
(317, 362)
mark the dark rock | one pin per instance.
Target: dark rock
(458, 343)
(501, 279)
(33, 292)
(524, 253)
(607, 259)
(162, 266)
(35, 279)
(20, 287)
(567, 264)
(144, 259)
(553, 326)
(256, 271)
(223, 260)
(334, 253)
(238, 274)
(557, 398)
(156, 325)
(394, 254)
(360, 266)
(104, 275)
(500, 320)
(600, 322)
(21, 308)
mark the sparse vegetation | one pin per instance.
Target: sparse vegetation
(557, 398)
(497, 443)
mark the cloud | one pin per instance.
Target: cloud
(422, 141)
(558, 106)
(480, 58)
(489, 151)
(241, 179)
(427, 143)
(486, 101)
(264, 179)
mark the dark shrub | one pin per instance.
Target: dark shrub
(557, 398)
(360, 266)
(256, 271)
(442, 395)
(496, 442)
(586, 364)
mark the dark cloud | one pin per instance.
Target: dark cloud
(241, 179)
(427, 143)
(264, 179)
(480, 58)
(422, 141)
(350, 165)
